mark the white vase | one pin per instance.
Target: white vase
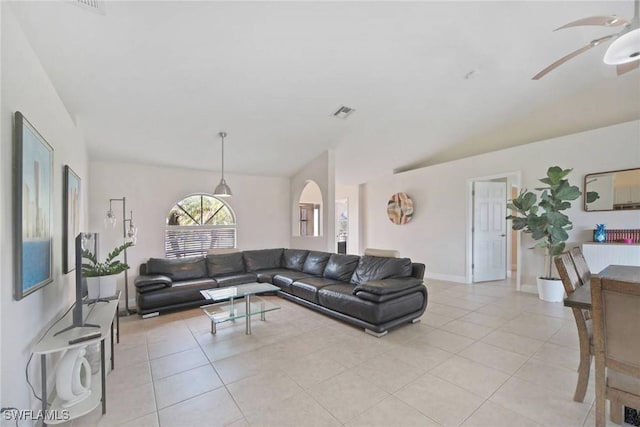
(550, 290)
(73, 377)
(93, 356)
(108, 285)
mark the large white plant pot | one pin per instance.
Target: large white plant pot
(93, 287)
(102, 286)
(108, 285)
(550, 290)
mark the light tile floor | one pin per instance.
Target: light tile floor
(483, 355)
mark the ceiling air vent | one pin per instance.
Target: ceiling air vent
(343, 112)
(96, 6)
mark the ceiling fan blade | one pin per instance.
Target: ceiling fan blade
(629, 66)
(604, 21)
(573, 54)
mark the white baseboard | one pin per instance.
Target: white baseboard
(446, 277)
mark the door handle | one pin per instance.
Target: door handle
(503, 235)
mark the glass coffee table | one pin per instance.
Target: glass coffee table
(226, 308)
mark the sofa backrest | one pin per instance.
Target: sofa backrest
(178, 269)
(379, 268)
(262, 259)
(346, 268)
(293, 259)
(341, 267)
(224, 264)
(315, 262)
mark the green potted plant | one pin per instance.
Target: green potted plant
(104, 284)
(544, 219)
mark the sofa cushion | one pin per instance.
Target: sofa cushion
(316, 262)
(223, 264)
(235, 279)
(152, 283)
(181, 292)
(307, 287)
(293, 259)
(266, 276)
(340, 298)
(387, 286)
(178, 269)
(382, 298)
(262, 259)
(341, 267)
(151, 287)
(284, 280)
(378, 268)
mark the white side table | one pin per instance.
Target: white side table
(102, 314)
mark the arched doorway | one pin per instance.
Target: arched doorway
(310, 210)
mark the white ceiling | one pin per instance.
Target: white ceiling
(154, 81)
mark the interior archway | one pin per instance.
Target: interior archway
(310, 210)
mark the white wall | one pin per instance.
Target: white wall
(27, 88)
(437, 234)
(322, 171)
(311, 194)
(261, 205)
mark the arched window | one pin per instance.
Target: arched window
(197, 223)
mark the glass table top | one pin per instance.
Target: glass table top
(232, 292)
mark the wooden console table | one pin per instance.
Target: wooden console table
(103, 314)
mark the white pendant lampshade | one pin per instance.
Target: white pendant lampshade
(222, 190)
(624, 49)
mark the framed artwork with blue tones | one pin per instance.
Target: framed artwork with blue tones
(33, 208)
(71, 218)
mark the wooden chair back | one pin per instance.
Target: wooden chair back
(567, 272)
(616, 336)
(581, 265)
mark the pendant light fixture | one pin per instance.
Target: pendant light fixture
(222, 190)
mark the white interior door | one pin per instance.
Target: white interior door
(489, 231)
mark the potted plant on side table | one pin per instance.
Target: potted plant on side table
(101, 276)
(546, 222)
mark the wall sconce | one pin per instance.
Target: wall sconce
(130, 234)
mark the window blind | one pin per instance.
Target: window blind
(185, 241)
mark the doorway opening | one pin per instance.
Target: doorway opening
(492, 248)
(342, 225)
(309, 210)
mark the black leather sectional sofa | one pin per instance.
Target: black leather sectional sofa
(376, 293)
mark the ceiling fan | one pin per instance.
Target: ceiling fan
(624, 51)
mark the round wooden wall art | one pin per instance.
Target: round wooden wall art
(400, 208)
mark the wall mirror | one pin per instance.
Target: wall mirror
(618, 190)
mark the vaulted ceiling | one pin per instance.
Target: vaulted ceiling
(155, 81)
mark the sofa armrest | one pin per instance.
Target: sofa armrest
(387, 286)
(152, 282)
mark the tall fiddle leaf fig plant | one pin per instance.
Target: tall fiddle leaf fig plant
(543, 218)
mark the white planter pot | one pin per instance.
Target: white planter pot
(93, 287)
(550, 290)
(108, 285)
(102, 286)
